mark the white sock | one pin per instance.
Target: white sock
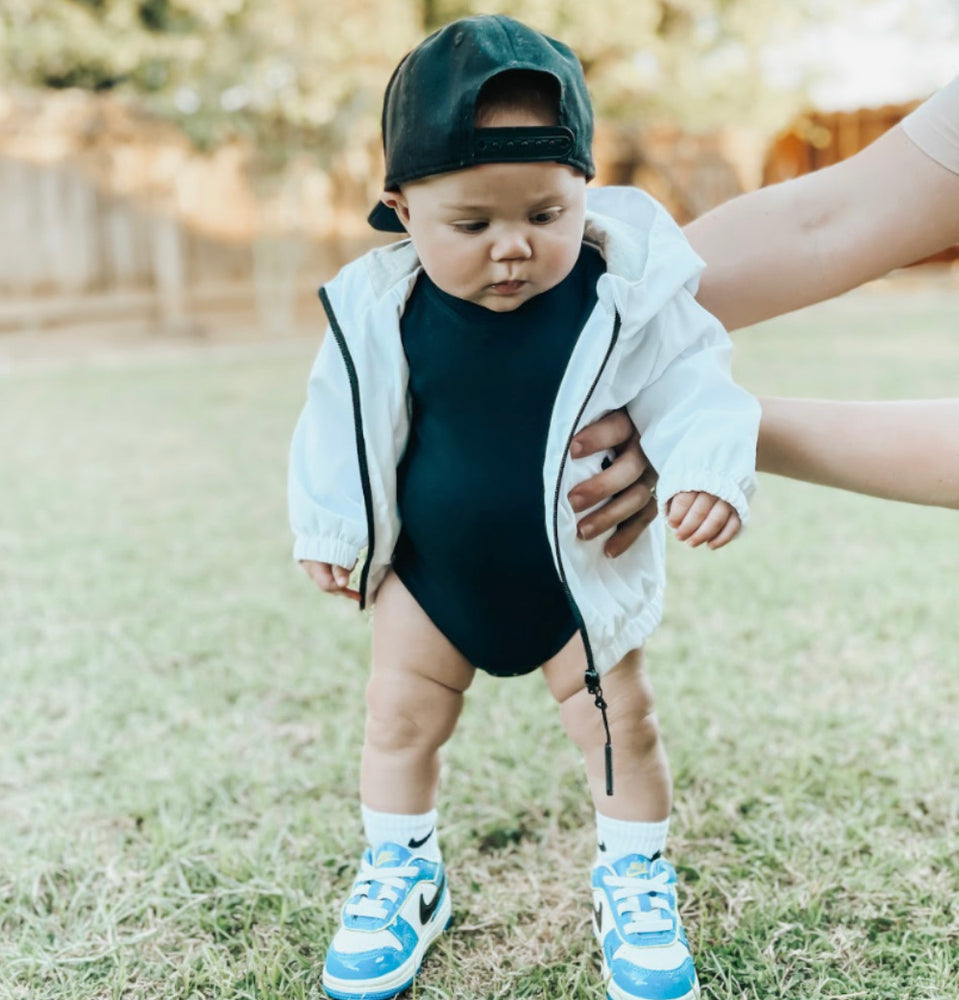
(618, 837)
(417, 832)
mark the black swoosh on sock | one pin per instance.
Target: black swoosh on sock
(414, 844)
(428, 909)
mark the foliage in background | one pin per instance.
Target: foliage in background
(309, 73)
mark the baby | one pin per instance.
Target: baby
(456, 368)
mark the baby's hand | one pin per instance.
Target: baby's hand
(332, 579)
(701, 517)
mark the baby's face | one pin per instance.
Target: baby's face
(497, 234)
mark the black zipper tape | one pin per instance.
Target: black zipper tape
(337, 331)
(592, 680)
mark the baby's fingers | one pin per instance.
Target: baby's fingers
(678, 508)
(321, 574)
(687, 512)
(330, 579)
(714, 523)
(342, 578)
(729, 531)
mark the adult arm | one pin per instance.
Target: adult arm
(808, 239)
(791, 244)
(905, 450)
(788, 245)
(901, 450)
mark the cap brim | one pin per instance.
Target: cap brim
(385, 219)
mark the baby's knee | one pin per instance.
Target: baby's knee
(639, 729)
(630, 710)
(403, 717)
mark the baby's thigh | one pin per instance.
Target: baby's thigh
(414, 667)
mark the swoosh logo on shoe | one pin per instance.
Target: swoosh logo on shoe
(428, 909)
(419, 843)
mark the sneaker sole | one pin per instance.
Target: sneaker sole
(402, 978)
(614, 993)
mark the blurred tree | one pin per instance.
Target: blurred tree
(310, 73)
(695, 62)
(280, 71)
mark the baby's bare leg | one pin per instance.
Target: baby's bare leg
(634, 887)
(413, 700)
(642, 785)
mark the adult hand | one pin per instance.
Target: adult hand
(626, 484)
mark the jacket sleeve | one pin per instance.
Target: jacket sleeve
(697, 427)
(325, 495)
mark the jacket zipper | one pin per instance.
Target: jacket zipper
(337, 331)
(593, 684)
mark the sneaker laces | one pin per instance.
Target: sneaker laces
(628, 893)
(388, 883)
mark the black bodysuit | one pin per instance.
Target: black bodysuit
(473, 549)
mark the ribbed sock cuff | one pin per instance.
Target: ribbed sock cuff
(415, 832)
(618, 837)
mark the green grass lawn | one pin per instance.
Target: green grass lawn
(181, 712)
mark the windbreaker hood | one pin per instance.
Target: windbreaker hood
(648, 260)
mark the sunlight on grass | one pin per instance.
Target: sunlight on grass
(181, 711)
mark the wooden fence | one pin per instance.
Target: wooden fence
(71, 253)
(820, 138)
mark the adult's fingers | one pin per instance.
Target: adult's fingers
(628, 531)
(626, 469)
(624, 505)
(612, 431)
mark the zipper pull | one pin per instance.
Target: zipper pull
(594, 687)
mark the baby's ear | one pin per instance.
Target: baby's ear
(399, 204)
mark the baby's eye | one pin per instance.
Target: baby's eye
(545, 217)
(473, 226)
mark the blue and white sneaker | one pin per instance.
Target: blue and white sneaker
(398, 906)
(645, 952)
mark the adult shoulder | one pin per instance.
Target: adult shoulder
(934, 126)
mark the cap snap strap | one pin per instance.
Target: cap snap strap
(498, 145)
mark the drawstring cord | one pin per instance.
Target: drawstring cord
(594, 687)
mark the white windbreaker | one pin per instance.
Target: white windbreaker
(647, 345)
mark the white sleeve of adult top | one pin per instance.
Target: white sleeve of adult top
(324, 492)
(934, 126)
(698, 427)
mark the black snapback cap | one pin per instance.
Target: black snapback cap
(431, 98)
